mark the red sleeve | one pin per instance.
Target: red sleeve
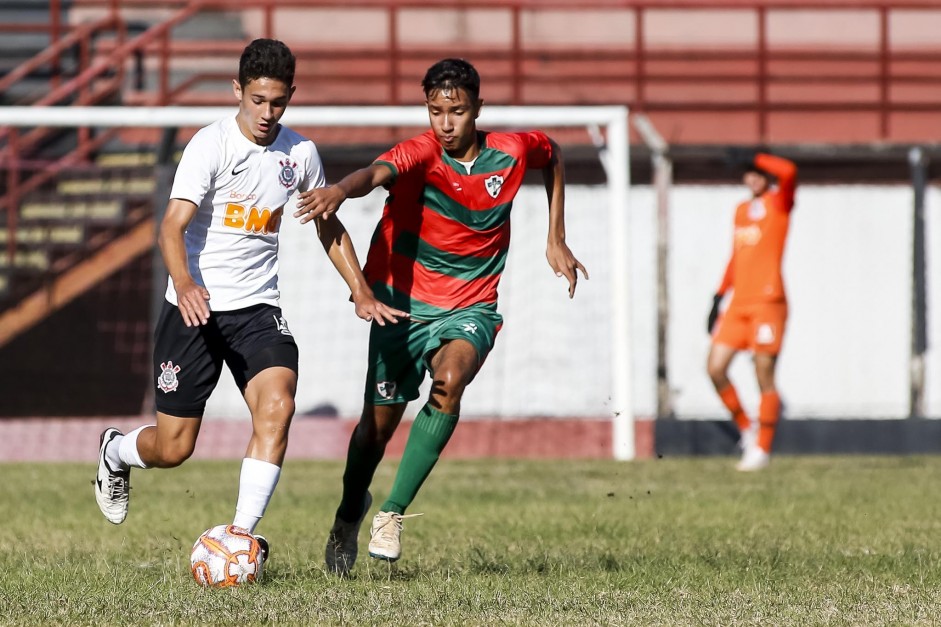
(783, 170)
(538, 149)
(410, 154)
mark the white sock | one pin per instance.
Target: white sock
(127, 449)
(256, 485)
(111, 453)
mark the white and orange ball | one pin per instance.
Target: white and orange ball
(226, 556)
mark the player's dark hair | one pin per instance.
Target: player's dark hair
(751, 167)
(452, 74)
(266, 58)
(742, 160)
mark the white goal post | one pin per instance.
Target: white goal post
(612, 120)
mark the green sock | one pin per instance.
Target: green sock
(430, 432)
(361, 464)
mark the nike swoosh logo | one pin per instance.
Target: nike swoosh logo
(237, 172)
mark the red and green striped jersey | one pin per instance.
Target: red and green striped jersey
(442, 240)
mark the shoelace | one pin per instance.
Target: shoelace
(393, 525)
(117, 490)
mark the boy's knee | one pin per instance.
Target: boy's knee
(276, 407)
(717, 375)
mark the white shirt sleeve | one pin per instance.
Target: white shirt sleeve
(314, 177)
(198, 166)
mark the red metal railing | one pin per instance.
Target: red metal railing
(730, 92)
(636, 69)
(520, 70)
(738, 93)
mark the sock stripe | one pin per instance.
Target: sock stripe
(435, 423)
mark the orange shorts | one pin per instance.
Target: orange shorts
(758, 328)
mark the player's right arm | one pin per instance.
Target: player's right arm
(192, 299)
(324, 201)
(724, 286)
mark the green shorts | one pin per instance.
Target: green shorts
(400, 354)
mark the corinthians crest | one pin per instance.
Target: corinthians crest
(167, 380)
(494, 184)
(288, 174)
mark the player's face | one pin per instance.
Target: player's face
(261, 104)
(453, 115)
(756, 183)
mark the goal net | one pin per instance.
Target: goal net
(554, 358)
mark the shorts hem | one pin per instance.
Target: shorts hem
(390, 401)
(182, 413)
(759, 351)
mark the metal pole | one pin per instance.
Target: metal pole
(13, 191)
(918, 161)
(663, 181)
(762, 74)
(619, 209)
(55, 32)
(164, 169)
(517, 57)
(394, 55)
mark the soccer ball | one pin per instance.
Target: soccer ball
(226, 556)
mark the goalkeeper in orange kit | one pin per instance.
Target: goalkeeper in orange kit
(757, 312)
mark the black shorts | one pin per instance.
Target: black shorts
(188, 360)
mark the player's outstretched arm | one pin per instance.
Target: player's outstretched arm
(192, 298)
(324, 201)
(782, 169)
(560, 258)
(339, 247)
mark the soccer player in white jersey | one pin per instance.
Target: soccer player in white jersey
(219, 240)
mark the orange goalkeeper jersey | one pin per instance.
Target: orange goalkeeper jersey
(761, 225)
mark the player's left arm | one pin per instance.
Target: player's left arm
(339, 247)
(560, 258)
(785, 171)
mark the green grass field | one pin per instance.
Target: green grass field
(812, 541)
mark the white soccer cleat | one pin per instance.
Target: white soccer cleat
(748, 438)
(112, 487)
(754, 458)
(343, 542)
(385, 535)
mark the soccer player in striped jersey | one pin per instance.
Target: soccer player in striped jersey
(219, 240)
(757, 312)
(438, 253)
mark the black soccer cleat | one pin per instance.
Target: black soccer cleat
(263, 545)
